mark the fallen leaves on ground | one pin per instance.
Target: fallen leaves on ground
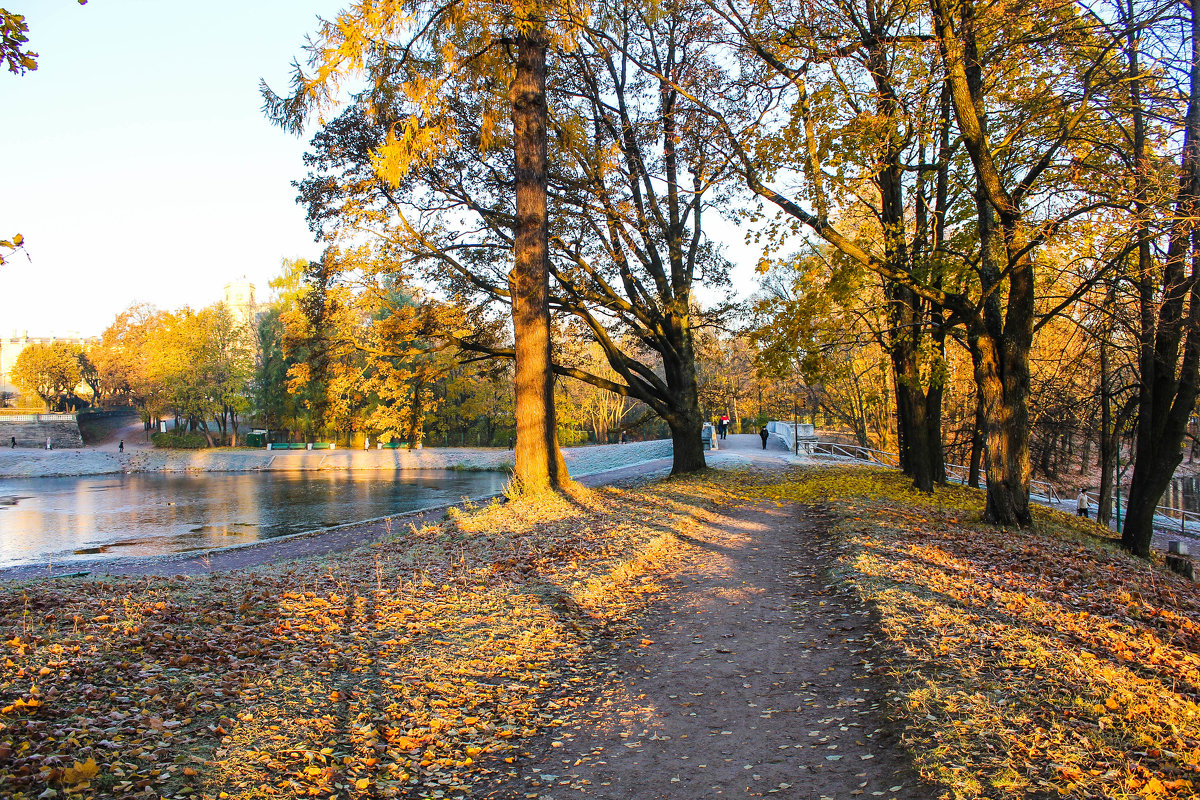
(412, 667)
(1028, 663)
(1024, 663)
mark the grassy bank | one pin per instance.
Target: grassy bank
(409, 668)
(1021, 664)
(1037, 663)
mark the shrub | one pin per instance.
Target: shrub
(568, 437)
(177, 440)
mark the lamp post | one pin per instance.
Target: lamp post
(795, 425)
(1117, 481)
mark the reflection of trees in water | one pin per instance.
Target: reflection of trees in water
(58, 519)
(1182, 493)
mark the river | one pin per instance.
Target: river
(60, 520)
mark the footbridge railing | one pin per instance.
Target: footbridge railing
(954, 472)
(799, 437)
(1166, 518)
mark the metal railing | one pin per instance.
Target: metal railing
(854, 452)
(1170, 520)
(954, 472)
(1166, 518)
(790, 432)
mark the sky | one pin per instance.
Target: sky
(138, 165)
(137, 162)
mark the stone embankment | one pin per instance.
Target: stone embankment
(27, 463)
(61, 433)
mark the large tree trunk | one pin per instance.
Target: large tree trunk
(999, 346)
(912, 429)
(539, 463)
(686, 422)
(906, 323)
(1004, 397)
(1170, 319)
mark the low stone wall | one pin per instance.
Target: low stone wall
(62, 434)
(580, 460)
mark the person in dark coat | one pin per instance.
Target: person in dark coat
(764, 433)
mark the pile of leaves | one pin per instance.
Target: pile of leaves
(1027, 663)
(412, 667)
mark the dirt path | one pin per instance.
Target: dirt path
(753, 679)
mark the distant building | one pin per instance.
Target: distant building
(239, 299)
(11, 347)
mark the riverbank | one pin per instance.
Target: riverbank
(31, 463)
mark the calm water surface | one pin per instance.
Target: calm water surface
(106, 516)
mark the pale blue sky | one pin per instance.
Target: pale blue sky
(137, 162)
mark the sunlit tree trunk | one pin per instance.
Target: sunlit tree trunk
(539, 463)
(999, 344)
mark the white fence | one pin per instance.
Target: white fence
(791, 432)
(37, 417)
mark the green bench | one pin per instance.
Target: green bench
(301, 446)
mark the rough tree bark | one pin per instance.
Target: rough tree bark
(539, 462)
(1169, 337)
(999, 347)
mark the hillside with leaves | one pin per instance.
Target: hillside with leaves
(1018, 664)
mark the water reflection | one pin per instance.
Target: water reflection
(71, 519)
(1183, 493)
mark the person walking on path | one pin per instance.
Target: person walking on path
(13, 442)
(1083, 503)
(47, 442)
(764, 433)
(121, 447)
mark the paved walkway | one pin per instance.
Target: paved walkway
(746, 448)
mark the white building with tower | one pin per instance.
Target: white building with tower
(239, 299)
(11, 347)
